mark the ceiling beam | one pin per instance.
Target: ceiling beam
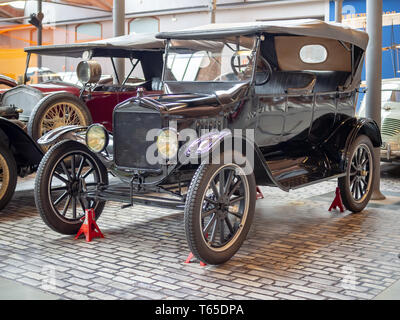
(10, 12)
(102, 4)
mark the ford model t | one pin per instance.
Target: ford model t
(243, 105)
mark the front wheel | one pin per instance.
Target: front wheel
(219, 210)
(356, 186)
(57, 110)
(67, 171)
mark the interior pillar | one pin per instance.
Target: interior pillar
(373, 65)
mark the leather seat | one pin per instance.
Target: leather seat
(330, 80)
(280, 81)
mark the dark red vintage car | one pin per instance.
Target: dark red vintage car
(52, 103)
(55, 103)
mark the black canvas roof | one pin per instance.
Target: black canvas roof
(305, 27)
(113, 47)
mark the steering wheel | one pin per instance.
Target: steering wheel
(225, 75)
(238, 68)
(267, 72)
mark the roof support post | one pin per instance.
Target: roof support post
(119, 30)
(338, 10)
(39, 31)
(374, 81)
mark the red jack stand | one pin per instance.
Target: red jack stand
(190, 257)
(259, 193)
(337, 202)
(89, 227)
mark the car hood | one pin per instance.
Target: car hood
(56, 86)
(194, 104)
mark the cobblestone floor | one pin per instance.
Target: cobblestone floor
(296, 249)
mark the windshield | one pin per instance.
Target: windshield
(57, 68)
(224, 62)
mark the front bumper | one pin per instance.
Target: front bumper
(389, 153)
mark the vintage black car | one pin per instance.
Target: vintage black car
(243, 105)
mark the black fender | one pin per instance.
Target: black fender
(61, 133)
(26, 152)
(71, 132)
(339, 142)
(211, 144)
(368, 127)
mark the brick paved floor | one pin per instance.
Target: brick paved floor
(296, 249)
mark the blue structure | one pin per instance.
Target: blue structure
(390, 33)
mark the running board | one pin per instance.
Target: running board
(299, 172)
(120, 193)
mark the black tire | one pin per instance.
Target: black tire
(356, 186)
(8, 171)
(203, 245)
(51, 168)
(48, 103)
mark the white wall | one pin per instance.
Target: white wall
(196, 13)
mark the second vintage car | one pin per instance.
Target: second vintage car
(244, 104)
(53, 104)
(390, 114)
(48, 103)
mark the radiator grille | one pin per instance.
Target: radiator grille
(130, 130)
(390, 127)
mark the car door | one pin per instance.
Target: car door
(323, 116)
(271, 118)
(298, 117)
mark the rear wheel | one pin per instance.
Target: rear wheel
(356, 186)
(60, 188)
(8, 175)
(219, 210)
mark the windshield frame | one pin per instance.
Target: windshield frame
(251, 80)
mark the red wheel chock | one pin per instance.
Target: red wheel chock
(89, 227)
(337, 202)
(190, 257)
(259, 194)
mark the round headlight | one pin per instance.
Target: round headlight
(167, 143)
(88, 71)
(96, 138)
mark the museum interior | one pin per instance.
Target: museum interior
(200, 150)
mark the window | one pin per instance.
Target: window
(88, 31)
(144, 25)
(221, 62)
(314, 53)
